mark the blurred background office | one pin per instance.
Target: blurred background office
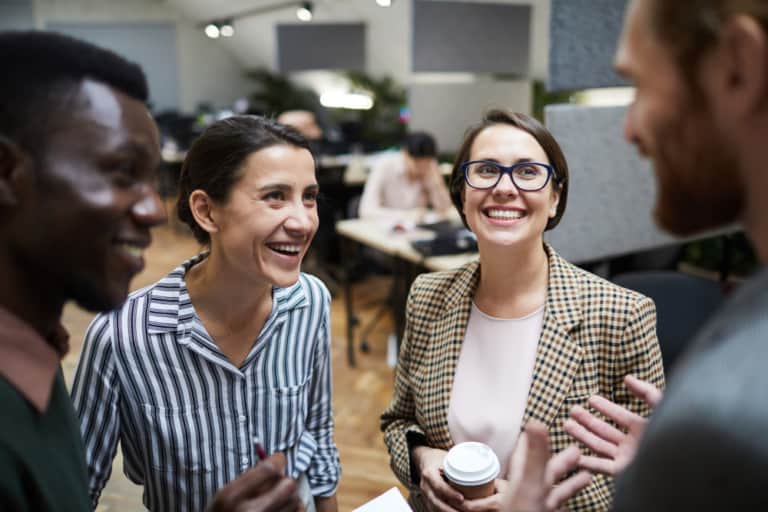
(366, 72)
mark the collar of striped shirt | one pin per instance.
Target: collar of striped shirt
(170, 307)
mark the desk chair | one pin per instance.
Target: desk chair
(683, 304)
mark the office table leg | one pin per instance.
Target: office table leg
(349, 265)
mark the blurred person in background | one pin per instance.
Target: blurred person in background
(404, 185)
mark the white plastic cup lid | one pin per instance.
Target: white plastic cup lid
(471, 464)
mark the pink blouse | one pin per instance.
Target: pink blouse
(492, 380)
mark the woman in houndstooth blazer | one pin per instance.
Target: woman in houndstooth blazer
(519, 334)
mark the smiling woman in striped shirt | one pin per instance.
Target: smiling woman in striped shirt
(229, 350)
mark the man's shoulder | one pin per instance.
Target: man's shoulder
(17, 413)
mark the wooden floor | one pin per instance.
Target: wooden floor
(360, 394)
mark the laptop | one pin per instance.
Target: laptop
(449, 239)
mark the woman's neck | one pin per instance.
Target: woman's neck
(219, 293)
(513, 281)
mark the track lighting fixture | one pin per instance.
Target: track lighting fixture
(304, 12)
(225, 27)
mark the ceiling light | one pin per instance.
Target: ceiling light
(304, 12)
(349, 100)
(212, 30)
(227, 29)
(384, 3)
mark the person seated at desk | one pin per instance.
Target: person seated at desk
(229, 351)
(304, 122)
(403, 185)
(520, 334)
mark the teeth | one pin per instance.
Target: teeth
(506, 214)
(133, 250)
(286, 247)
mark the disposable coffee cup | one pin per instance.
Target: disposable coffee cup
(471, 468)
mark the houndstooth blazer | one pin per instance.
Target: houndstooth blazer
(594, 333)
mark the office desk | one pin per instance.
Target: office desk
(406, 260)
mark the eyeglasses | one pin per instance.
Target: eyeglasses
(527, 176)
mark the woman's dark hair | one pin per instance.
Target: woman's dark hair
(542, 136)
(215, 160)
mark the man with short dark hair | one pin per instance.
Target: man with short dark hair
(403, 185)
(78, 156)
(701, 115)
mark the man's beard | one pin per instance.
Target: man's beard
(698, 178)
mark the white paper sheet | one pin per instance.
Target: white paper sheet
(390, 501)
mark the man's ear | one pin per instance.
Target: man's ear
(736, 72)
(202, 208)
(13, 161)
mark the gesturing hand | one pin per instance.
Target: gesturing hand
(262, 488)
(440, 496)
(534, 472)
(615, 449)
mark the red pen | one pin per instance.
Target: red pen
(261, 453)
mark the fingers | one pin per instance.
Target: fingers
(617, 413)
(435, 503)
(644, 390)
(263, 485)
(281, 498)
(597, 426)
(438, 491)
(444, 491)
(567, 489)
(592, 441)
(487, 504)
(598, 465)
(561, 464)
(253, 482)
(528, 469)
(537, 449)
(278, 459)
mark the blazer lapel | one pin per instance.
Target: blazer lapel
(558, 356)
(446, 338)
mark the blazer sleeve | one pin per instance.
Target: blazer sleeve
(398, 421)
(638, 353)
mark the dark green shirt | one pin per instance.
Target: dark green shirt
(42, 461)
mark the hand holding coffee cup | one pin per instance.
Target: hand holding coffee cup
(472, 468)
(436, 491)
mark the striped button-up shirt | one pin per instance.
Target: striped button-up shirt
(151, 376)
